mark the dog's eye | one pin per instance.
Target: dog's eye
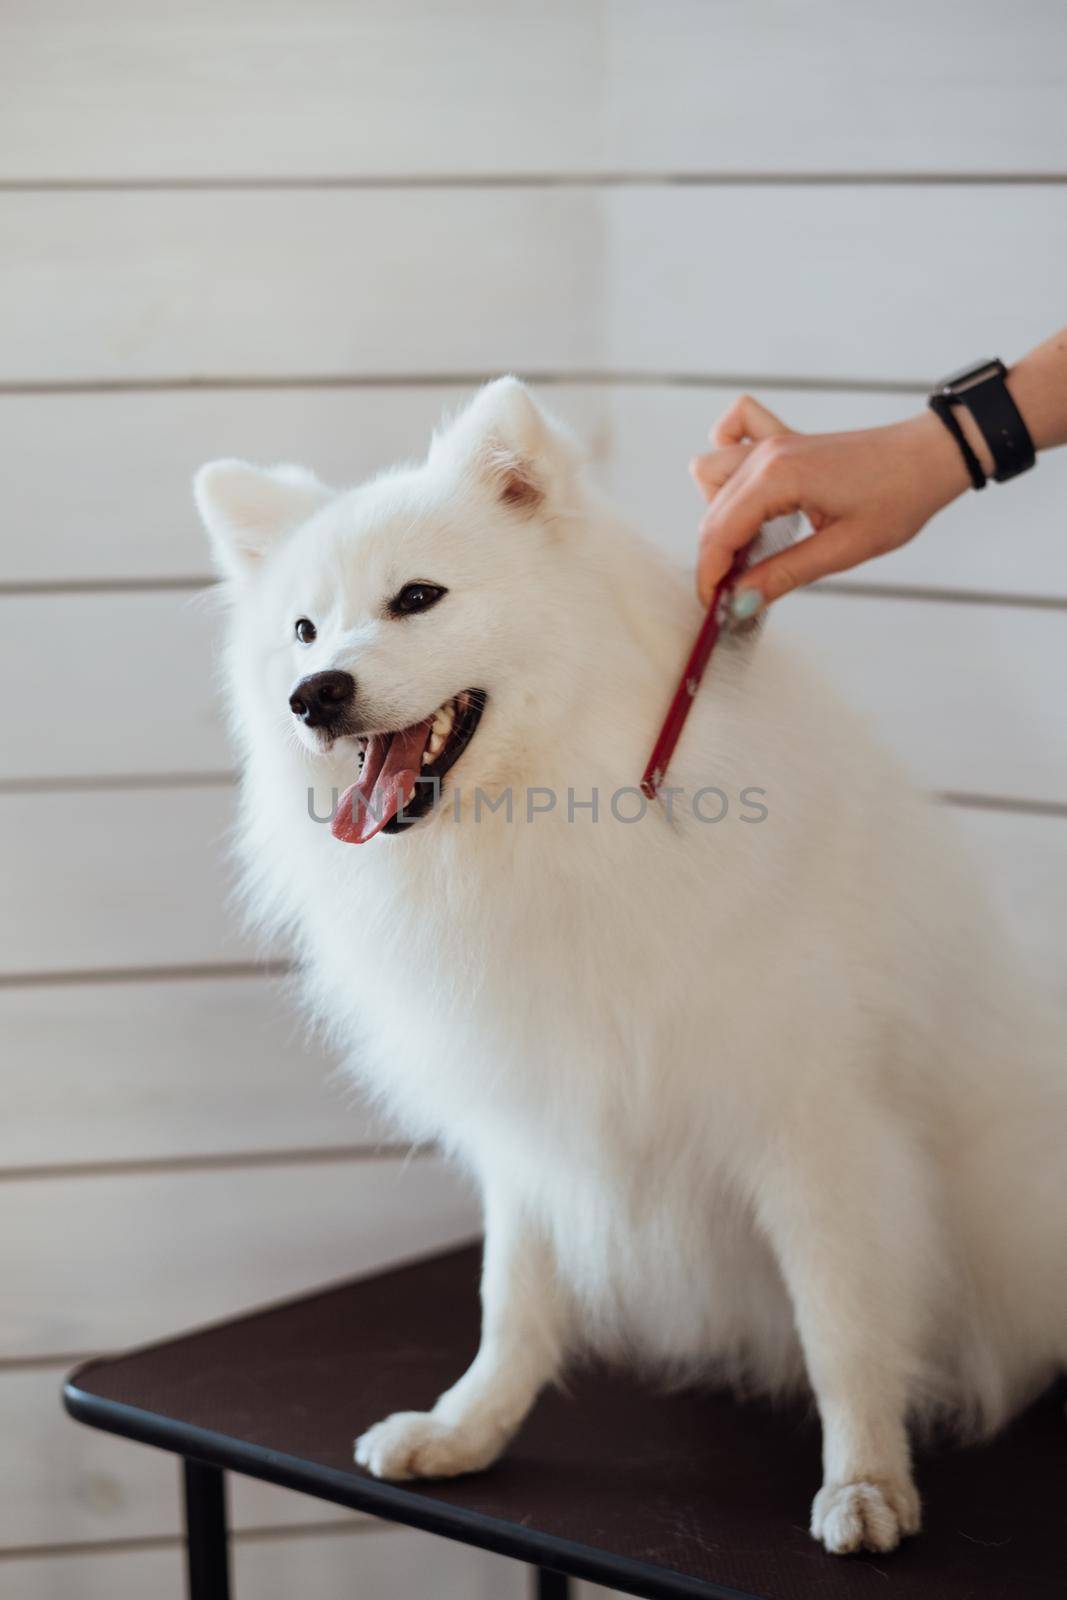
(305, 630)
(415, 597)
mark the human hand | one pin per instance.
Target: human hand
(864, 493)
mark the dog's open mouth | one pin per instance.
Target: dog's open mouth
(401, 771)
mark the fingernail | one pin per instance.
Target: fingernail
(744, 603)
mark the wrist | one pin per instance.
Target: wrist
(938, 467)
(1037, 384)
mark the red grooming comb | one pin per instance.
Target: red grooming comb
(774, 536)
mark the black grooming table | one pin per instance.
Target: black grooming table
(678, 1495)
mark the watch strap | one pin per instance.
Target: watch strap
(942, 407)
(1001, 425)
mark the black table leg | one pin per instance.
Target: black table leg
(206, 1538)
(552, 1585)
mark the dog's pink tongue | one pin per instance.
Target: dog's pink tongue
(390, 767)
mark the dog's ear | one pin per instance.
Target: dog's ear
(245, 508)
(528, 458)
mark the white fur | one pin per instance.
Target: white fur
(754, 1103)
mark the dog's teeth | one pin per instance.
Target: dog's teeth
(439, 731)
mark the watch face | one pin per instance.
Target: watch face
(976, 373)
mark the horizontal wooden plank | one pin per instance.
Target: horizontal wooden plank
(834, 283)
(114, 880)
(968, 696)
(92, 522)
(993, 726)
(638, 85)
(375, 1563)
(1009, 540)
(159, 1071)
(732, 87)
(331, 90)
(377, 1566)
(674, 279)
(130, 679)
(110, 1260)
(67, 1484)
(200, 285)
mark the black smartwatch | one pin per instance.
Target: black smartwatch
(983, 391)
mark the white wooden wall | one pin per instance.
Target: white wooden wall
(299, 230)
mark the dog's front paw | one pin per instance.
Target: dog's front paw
(871, 1514)
(416, 1444)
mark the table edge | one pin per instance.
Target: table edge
(388, 1501)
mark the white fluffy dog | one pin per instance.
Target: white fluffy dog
(751, 1097)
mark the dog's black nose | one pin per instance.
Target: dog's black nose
(322, 698)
